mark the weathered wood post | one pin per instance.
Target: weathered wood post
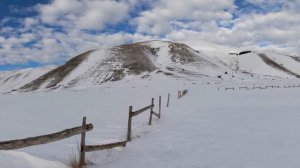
(168, 100)
(151, 110)
(129, 124)
(159, 107)
(82, 145)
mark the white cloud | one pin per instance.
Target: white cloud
(159, 19)
(272, 30)
(62, 27)
(29, 22)
(51, 46)
(84, 14)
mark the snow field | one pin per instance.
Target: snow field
(221, 129)
(206, 128)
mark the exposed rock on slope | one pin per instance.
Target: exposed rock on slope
(12, 80)
(274, 64)
(54, 77)
(113, 64)
(146, 59)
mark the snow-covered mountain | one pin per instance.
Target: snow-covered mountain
(143, 59)
(10, 80)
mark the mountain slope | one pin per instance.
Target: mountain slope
(53, 78)
(12, 80)
(113, 64)
(149, 58)
(269, 64)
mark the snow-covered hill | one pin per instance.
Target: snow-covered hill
(142, 60)
(128, 61)
(12, 80)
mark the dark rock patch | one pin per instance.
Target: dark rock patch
(275, 65)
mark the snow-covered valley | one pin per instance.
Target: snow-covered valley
(206, 128)
(209, 127)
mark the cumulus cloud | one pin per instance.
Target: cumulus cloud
(274, 30)
(48, 46)
(64, 28)
(159, 19)
(61, 30)
(84, 14)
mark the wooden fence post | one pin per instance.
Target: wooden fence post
(129, 124)
(82, 145)
(151, 110)
(168, 100)
(159, 107)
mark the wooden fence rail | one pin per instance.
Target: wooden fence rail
(91, 148)
(43, 139)
(135, 113)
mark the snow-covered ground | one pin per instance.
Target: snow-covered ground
(206, 128)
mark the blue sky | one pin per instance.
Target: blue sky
(36, 33)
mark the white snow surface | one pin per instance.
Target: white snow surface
(254, 64)
(209, 127)
(21, 159)
(211, 60)
(286, 61)
(10, 80)
(206, 128)
(85, 68)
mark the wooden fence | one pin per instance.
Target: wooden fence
(181, 93)
(90, 148)
(262, 87)
(168, 101)
(137, 112)
(44, 139)
(230, 88)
